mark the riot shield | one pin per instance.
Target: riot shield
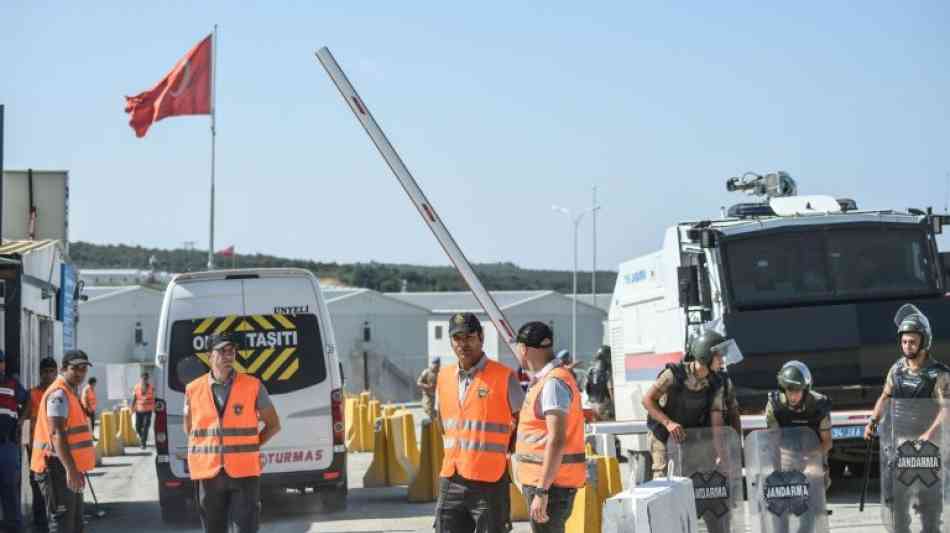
(712, 458)
(915, 476)
(785, 472)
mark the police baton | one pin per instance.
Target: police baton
(867, 473)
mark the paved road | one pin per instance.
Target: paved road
(128, 493)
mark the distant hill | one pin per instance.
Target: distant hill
(382, 277)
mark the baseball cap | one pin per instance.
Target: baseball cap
(464, 323)
(75, 358)
(535, 335)
(223, 339)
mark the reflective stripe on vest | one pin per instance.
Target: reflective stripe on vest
(533, 437)
(478, 429)
(78, 436)
(231, 440)
(144, 402)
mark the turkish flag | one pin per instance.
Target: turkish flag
(227, 252)
(186, 90)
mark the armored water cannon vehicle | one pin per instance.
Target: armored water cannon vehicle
(812, 278)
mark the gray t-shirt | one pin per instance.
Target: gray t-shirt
(556, 395)
(221, 391)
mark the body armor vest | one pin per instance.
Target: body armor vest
(686, 407)
(811, 417)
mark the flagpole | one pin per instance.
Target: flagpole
(214, 71)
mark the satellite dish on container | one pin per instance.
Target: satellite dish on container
(804, 205)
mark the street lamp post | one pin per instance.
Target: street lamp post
(577, 222)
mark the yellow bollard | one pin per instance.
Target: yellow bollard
(375, 411)
(364, 398)
(377, 473)
(353, 426)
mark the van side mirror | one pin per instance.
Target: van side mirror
(688, 282)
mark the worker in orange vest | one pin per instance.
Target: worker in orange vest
(478, 400)
(62, 445)
(222, 410)
(549, 456)
(89, 402)
(144, 397)
(48, 370)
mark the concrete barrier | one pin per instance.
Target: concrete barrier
(107, 435)
(377, 473)
(425, 485)
(402, 454)
(126, 434)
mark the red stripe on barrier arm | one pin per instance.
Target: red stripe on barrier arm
(429, 212)
(358, 104)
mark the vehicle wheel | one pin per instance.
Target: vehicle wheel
(642, 463)
(333, 499)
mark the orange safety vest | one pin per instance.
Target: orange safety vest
(476, 430)
(89, 398)
(144, 403)
(533, 437)
(36, 396)
(77, 432)
(231, 442)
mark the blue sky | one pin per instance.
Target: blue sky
(499, 109)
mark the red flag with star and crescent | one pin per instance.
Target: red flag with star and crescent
(186, 90)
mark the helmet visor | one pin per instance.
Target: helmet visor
(731, 354)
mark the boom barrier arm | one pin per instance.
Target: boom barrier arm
(361, 111)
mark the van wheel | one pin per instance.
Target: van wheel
(333, 499)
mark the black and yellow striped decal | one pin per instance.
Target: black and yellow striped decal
(260, 359)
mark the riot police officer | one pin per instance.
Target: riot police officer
(687, 394)
(915, 376)
(14, 404)
(599, 386)
(796, 405)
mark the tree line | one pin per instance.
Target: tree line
(383, 277)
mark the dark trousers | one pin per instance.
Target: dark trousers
(223, 500)
(467, 506)
(142, 422)
(64, 507)
(10, 486)
(39, 501)
(560, 504)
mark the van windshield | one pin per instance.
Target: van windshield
(284, 351)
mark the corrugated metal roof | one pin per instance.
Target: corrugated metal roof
(458, 302)
(603, 300)
(22, 247)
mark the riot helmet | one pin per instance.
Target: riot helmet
(701, 348)
(909, 319)
(603, 353)
(794, 375)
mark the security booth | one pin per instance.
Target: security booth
(38, 292)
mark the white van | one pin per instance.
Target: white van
(288, 345)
